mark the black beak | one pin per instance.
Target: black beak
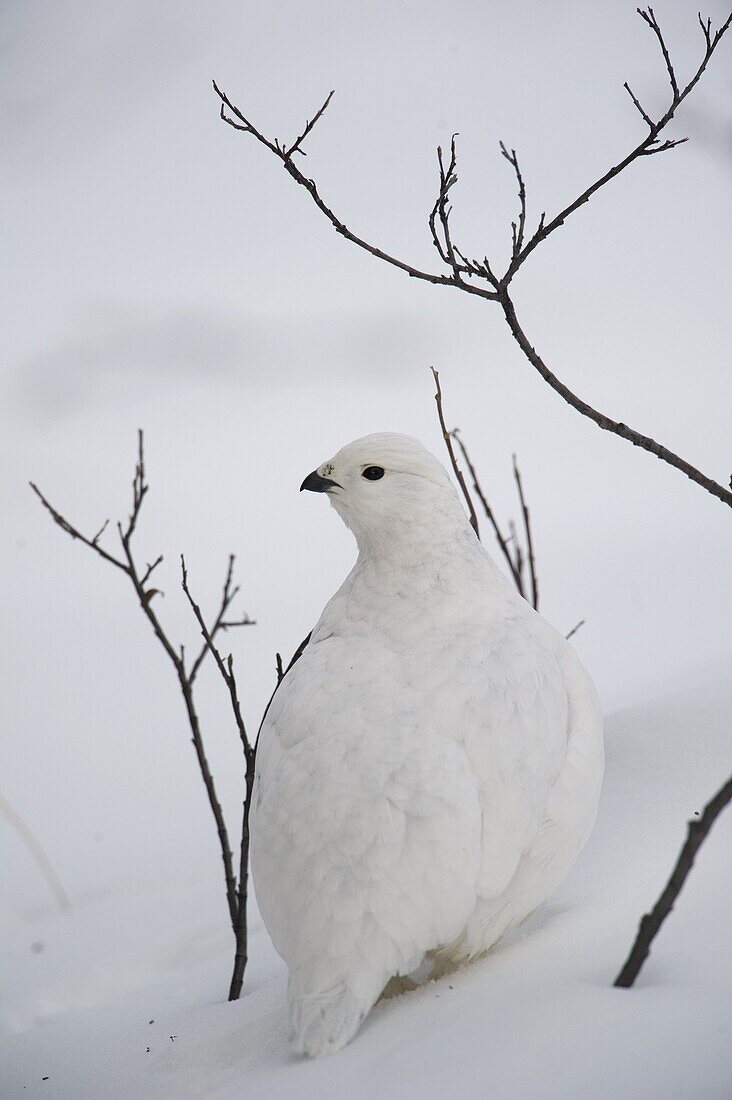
(314, 483)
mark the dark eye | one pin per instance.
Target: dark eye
(373, 473)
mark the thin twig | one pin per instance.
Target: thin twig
(76, 534)
(295, 147)
(601, 419)
(650, 924)
(176, 654)
(451, 451)
(646, 118)
(226, 668)
(490, 515)
(449, 254)
(150, 568)
(280, 677)
(529, 540)
(228, 594)
(647, 147)
(499, 286)
(517, 231)
(574, 629)
(518, 554)
(650, 19)
(339, 226)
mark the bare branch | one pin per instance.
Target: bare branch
(227, 596)
(706, 29)
(670, 144)
(311, 187)
(295, 147)
(518, 555)
(281, 673)
(648, 17)
(517, 231)
(502, 541)
(150, 568)
(650, 924)
(605, 422)
(646, 118)
(100, 532)
(144, 596)
(233, 623)
(642, 149)
(445, 248)
(574, 629)
(75, 533)
(176, 654)
(244, 124)
(225, 668)
(459, 266)
(450, 450)
(298, 652)
(139, 489)
(529, 540)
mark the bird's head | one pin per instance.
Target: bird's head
(390, 491)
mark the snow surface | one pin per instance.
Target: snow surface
(145, 965)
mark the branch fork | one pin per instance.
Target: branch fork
(479, 277)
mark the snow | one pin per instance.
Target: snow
(145, 965)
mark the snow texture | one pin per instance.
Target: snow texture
(537, 1018)
(429, 769)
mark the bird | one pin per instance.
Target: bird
(429, 769)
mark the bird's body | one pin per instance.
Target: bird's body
(429, 769)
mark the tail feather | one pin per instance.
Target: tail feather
(323, 1022)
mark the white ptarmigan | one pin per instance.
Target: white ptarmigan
(429, 769)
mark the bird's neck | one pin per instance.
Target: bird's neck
(408, 564)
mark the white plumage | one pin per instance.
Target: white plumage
(429, 769)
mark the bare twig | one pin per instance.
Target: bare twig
(517, 231)
(226, 669)
(515, 560)
(281, 673)
(150, 568)
(312, 189)
(648, 146)
(522, 248)
(648, 17)
(176, 654)
(230, 591)
(490, 515)
(451, 451)
(75, 534)
(518, 554)
(35, 848)
(449, 254)
(646, 118)
(529, 539)
(650, 924)
(574, 629)
(601, 419)
(295, 147)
